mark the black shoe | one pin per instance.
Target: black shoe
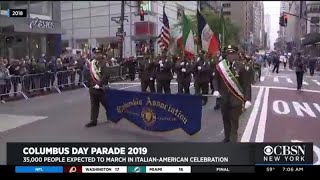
(225, 141)
(217, 107)
(91, 124)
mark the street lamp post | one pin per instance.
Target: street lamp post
(121, 29)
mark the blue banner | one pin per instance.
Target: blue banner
(155, 112)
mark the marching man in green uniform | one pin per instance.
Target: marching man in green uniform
(98, 80)
(233, 87)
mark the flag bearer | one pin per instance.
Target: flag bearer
(164, 75)
(183, 70)
(201, 70)
(147, 74)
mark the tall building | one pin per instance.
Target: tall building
(37, 33)
(240, 14)
(211, 5)
(267, 25)
(313, 13)
(296, 27)
(262, 30)
(87, 24)
(284, 7)
(258, 24)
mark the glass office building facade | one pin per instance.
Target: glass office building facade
(38, 33)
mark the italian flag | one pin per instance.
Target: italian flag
(187, 38)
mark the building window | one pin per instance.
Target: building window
(227, 13)
(4, 5)
(226, 5)
(314, 9)
(145, 5)
(314, 29)
(314, 20)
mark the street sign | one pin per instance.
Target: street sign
(121, 34)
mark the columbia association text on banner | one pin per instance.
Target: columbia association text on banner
(155, 112)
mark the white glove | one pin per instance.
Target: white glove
(182, 63)
(96, 86)
(216, 94)
(213, 74)
(161, 65)
(183, 70)
(198, 59)
(199, 68)
(247, 104)
(160, 62)
(151, 79)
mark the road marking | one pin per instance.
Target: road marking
(316, 81)
(316, 150)
(305, 83)
(275, 79)
(286, 88)
(8, 121)
(253, 116)
(289, 80)
(262, 78)
(263, 118)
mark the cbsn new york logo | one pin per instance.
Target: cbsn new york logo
(286, 153)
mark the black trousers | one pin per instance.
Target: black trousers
(312, 70)
(96, 97)
(299, 75)
(276, 68)
(184, 87)
(211, 84)
(132, 75)
(230, 118)
(285, 65)
(202, 88)
(146, 84)
(163, 85)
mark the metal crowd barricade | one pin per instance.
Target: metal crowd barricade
(36, 82)
(115, 73)
(13, 85)
(69, 78)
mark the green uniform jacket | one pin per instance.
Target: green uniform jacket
(227, 97)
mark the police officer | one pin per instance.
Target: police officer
(164, 75)
(97, 81)
(183, 70)
(235, 91)
(147, 68)
(202, 75)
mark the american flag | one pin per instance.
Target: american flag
(164, 36)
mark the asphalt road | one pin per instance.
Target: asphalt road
(61, 117)
(284, 114)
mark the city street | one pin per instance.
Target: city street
(284, 114)
(280, 114)
(61, 118)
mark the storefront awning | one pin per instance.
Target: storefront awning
(311, 38)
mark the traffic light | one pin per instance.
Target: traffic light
(141, 14)
(281, 20)
(285, 20)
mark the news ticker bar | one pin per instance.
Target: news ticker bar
(157, 169)
(158, 154)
